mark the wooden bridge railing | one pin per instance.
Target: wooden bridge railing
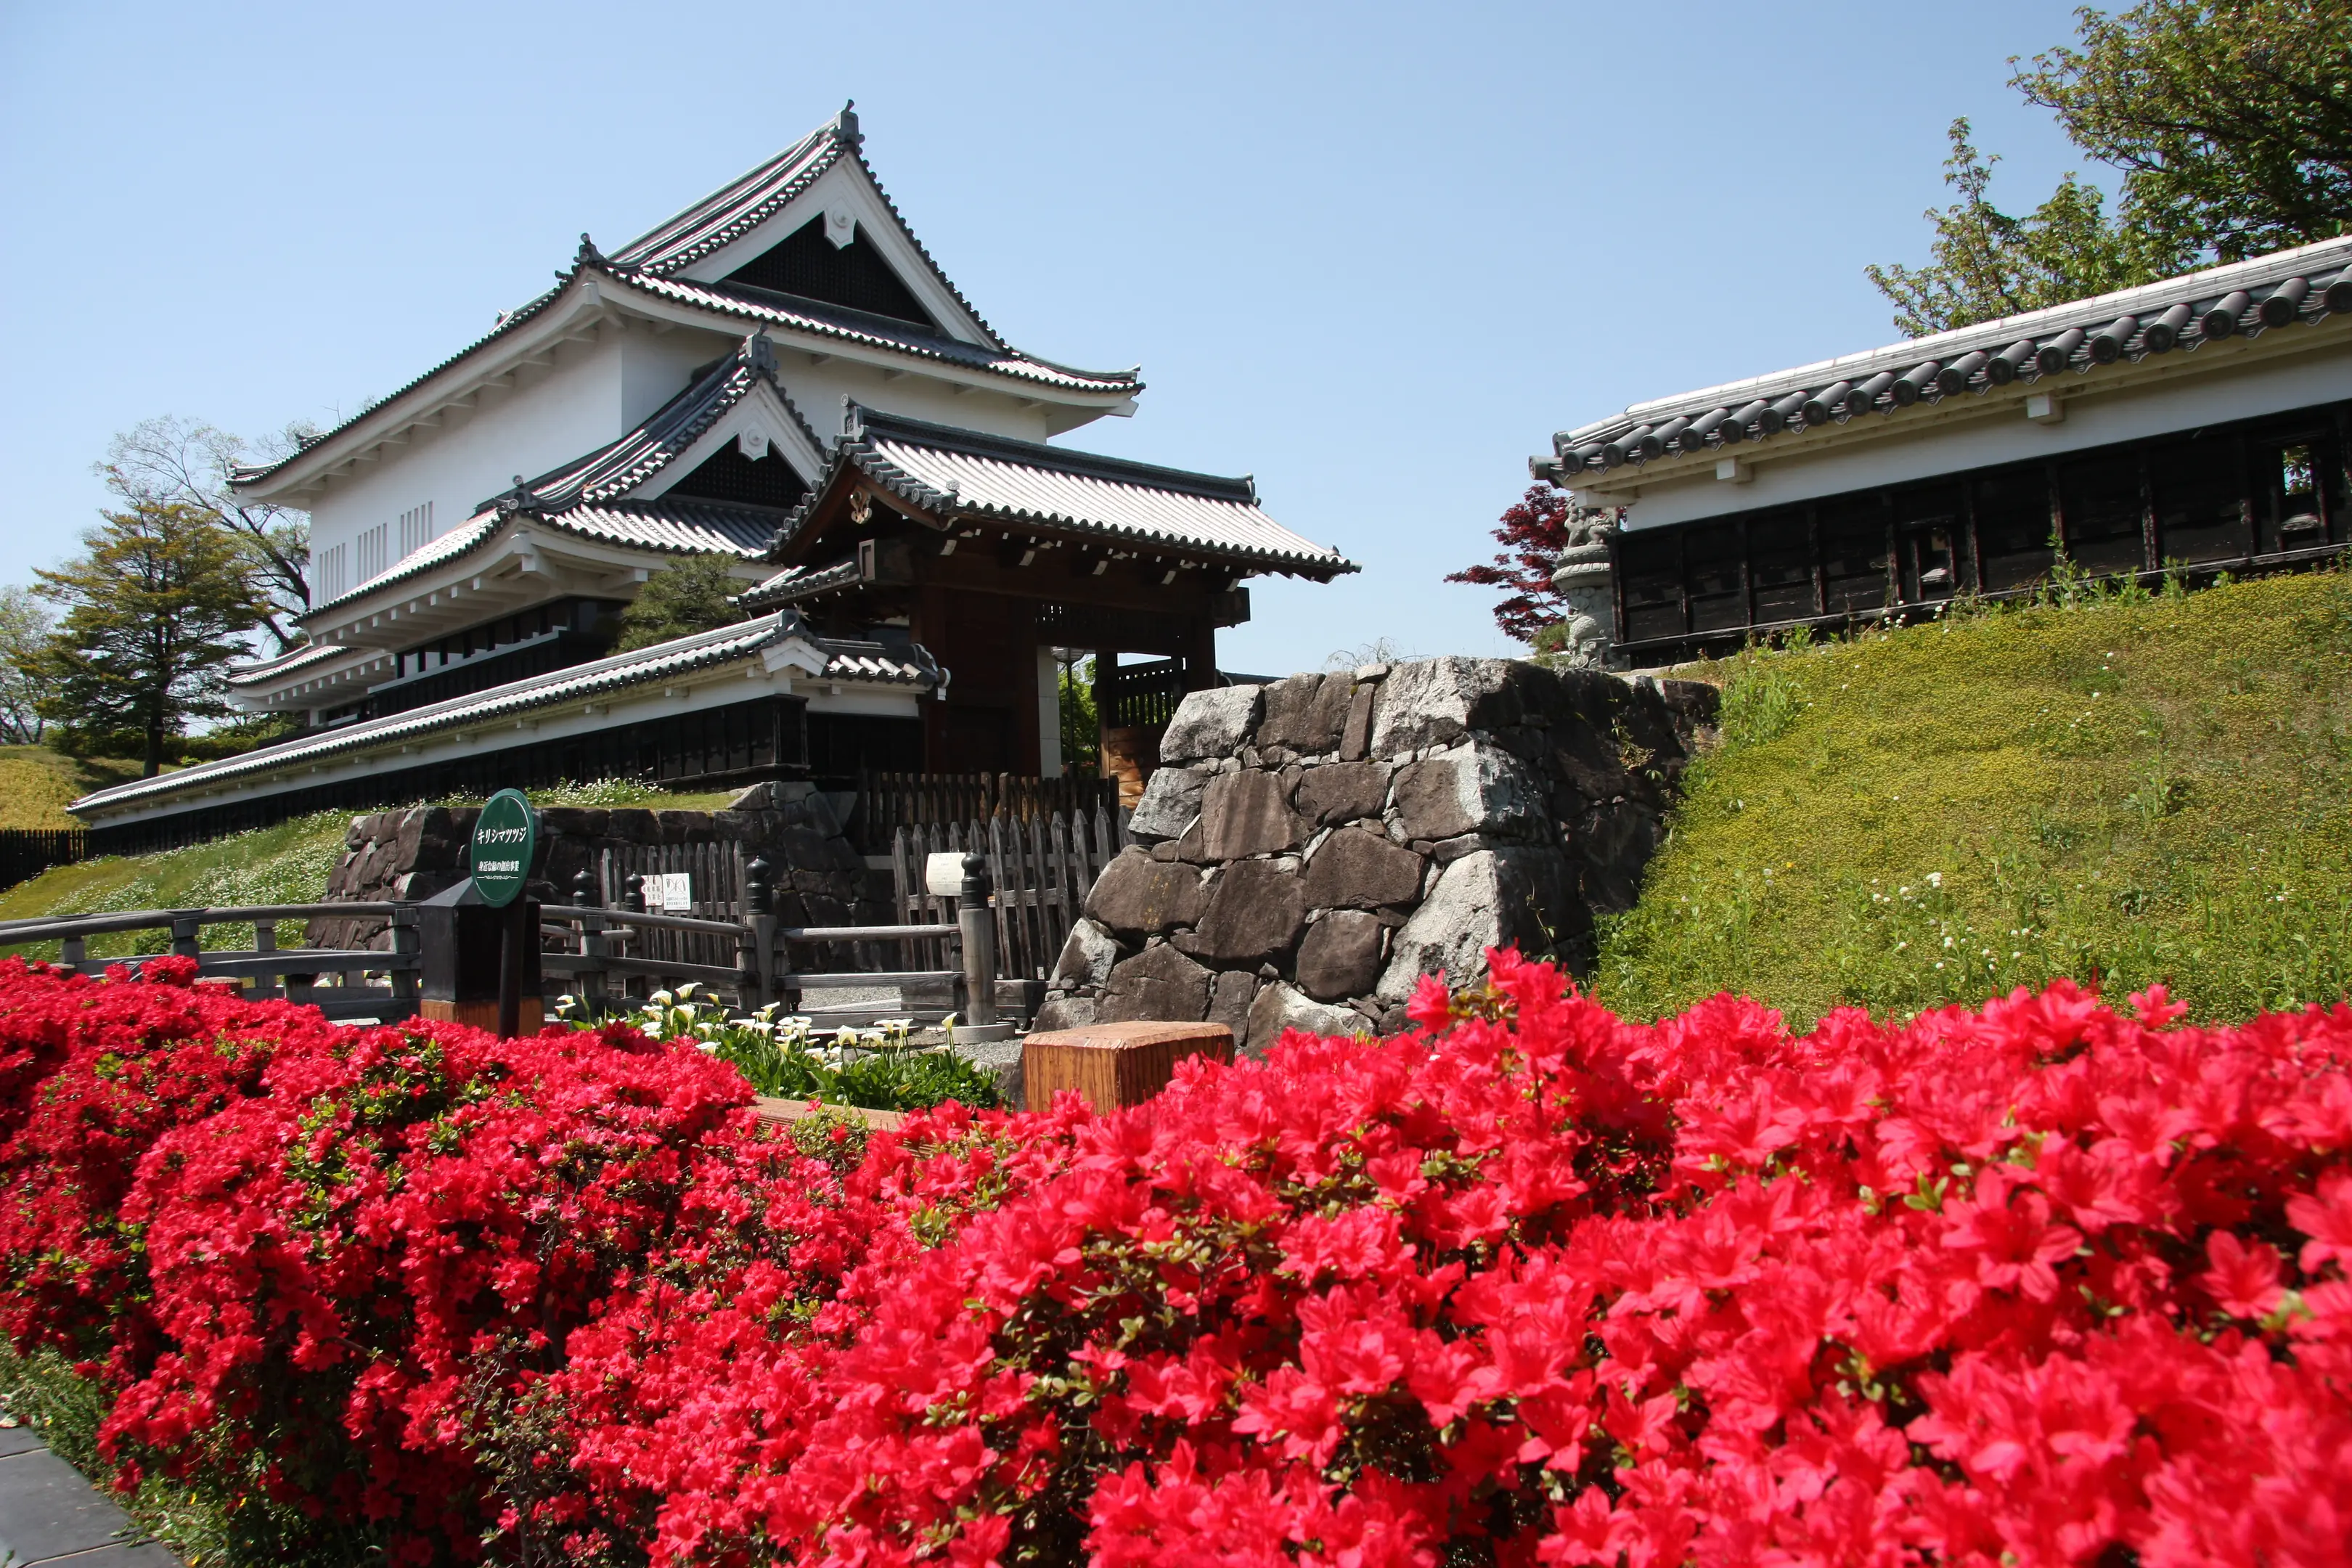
(291, 972)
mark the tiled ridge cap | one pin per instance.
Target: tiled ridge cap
(614, 672)
(869, 429)
(2312, 283)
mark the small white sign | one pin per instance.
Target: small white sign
(944, 874)
(670, 891)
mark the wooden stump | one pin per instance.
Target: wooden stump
(768, 1108)
(482, 1014)
(1112, 1066)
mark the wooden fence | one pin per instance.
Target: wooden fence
(889, 802)
(1042, 869)
(26, 852)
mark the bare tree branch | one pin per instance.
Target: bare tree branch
(172, 460)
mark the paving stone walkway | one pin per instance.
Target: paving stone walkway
(49, 1513)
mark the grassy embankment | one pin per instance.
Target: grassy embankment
(2123, 789)
(287, 864)
(36, 782)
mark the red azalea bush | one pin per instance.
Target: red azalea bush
(2040, 1283)
(347, 1255)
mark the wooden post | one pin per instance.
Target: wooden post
(185, 942)
(756, 960)
(406, 938)
(977, 924)
(512, 935)
(588, 893)
(265, 940)
(1114, 1065)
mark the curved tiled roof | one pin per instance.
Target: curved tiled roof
(794, 583)
(615, 470)
(846, 660)
(739, 206)
(650, 262)
(288, 662)
(2307, 284)
(682, 526)
(962, 473)
(798, 314)
(246, 474)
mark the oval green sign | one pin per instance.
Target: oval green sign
(505, 838)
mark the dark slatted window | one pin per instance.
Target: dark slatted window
(1780, 563)
(1854, 551)
(1931, 523)
(2292, 514)
(2103, 512)
(2013, 527)
(808, 264)
(1653, 587)
(1718, 598)
(2199, 489)
(727, 475)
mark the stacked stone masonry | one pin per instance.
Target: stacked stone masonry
(413, 854)
(1309, 849)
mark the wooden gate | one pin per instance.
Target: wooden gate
(1043, 870)
(715, 875)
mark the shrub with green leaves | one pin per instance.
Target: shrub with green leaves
(789, 1058)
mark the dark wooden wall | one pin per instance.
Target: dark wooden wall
(2250, 495)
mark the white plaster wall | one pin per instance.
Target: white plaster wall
(2242, 392)
(657, 367)
(573, 407)
(817, 391)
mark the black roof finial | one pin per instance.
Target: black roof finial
(845, 125)
(588, 254)
(520, 499)
(849, 422)
(760, 352)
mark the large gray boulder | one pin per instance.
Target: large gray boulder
(1229, 1003)
(1280, 1007)
(1137, 895)
(1435, 702)
(1244, 814)
(1342, 792)
(1476, 788)
(1211, 723)
(1254, 913)
(1171, 804)
(1357, 868)
(1522, 896)
(1158, 984)
(1086, 956)
(1304, 713)
(1340, 956)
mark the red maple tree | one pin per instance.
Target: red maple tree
(1533, 532)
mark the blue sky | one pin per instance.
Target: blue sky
(1373, 255)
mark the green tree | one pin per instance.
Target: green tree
(2231, 120)
(170, 461)
(1986, 263)
(156, 608)
(24, 632)
(695, 593)
(1081, 725)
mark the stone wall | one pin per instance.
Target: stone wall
(1309, 849)
(413, 854)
